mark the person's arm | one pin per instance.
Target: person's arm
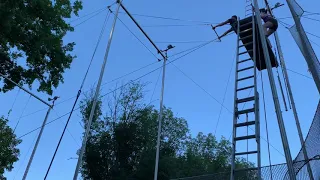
(221, 24)
(227, 32)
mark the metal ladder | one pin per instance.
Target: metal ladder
(246, 74)
(248, 8)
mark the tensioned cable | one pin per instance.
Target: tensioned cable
(155, 86)
(120, 77)
(312, 19)
(79, 92)
(173, 25)
(88, 19)
(74, 139)
(265, 115)
(168, 18)
(225, 93)
(14, 102)
(136, 36)
(111, 92)
(96, 11)
(179, 42)
(25, 156)
(14, 130)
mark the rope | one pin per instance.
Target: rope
(79, 93)
(14, 130)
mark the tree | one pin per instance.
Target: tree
(122, 144)
(31, 45)
(8, 147)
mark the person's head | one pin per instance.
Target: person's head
(234, 17)
(263, 11)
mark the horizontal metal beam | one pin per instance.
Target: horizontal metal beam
(44, 102)
(132, 18)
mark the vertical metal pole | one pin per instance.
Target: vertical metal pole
(37, 143)
(96, 96)
(285, 143)
(294, 109)
(160, 120)
(308, 52)
(256, 95)
(234, 132)
(291, 99)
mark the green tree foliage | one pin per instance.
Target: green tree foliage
(8, 147)
(31, 45)
(122, 144)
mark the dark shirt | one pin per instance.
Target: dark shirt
(267, 18)
(233, 23)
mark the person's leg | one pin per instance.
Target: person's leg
(267, 30)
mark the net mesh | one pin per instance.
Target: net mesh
(280, 171)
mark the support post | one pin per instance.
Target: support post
(293, 105)
(306, 47)
(156, 167)
(96, 96)
(37, 143)
(284, 138)
(234, 131)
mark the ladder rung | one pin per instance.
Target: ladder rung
(248, 87)
(251, 67)
(245, 52)
(247, 169)
(249, 77)
(244, 60)
(246, 30)
(246, 37)
(249, 123)
(245, 99)
(245, 111)
(246, 24)
(244, 137)
(246, 44)
(245, 153)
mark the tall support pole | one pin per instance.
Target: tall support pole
(294, 109)
(257, 101)
(234, 130)
(284, 138)
(305, 45)
(156, 167)
(37, 143)
(96, 96)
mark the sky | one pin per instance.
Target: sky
(196, 94)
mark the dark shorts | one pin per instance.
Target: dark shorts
(274, 23)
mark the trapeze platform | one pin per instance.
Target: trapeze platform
(247, 39)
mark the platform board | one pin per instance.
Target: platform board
(261, 64)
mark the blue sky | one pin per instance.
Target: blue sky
(209, 67)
